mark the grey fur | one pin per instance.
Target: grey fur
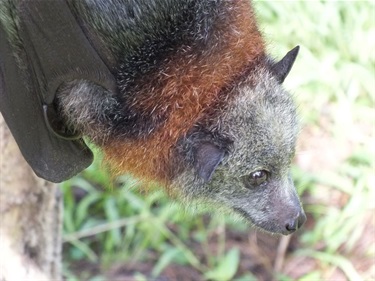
(88, 108)
(261, 121)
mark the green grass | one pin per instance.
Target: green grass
(334, 85)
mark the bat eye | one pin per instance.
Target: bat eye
(256, 178)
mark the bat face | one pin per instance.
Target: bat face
(252, 178)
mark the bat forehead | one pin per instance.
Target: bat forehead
(263, 122)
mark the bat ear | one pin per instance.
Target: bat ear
(207, 157)
(281, 69)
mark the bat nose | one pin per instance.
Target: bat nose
(295, 223)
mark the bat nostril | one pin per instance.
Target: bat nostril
(295, 223)
(291, 225)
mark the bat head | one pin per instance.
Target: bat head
(241, 161)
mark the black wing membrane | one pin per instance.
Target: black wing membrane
(54, 50)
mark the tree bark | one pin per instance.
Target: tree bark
(30, 218)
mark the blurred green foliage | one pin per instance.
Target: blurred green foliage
(109, 221)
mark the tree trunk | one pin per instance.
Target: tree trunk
(30, 218)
